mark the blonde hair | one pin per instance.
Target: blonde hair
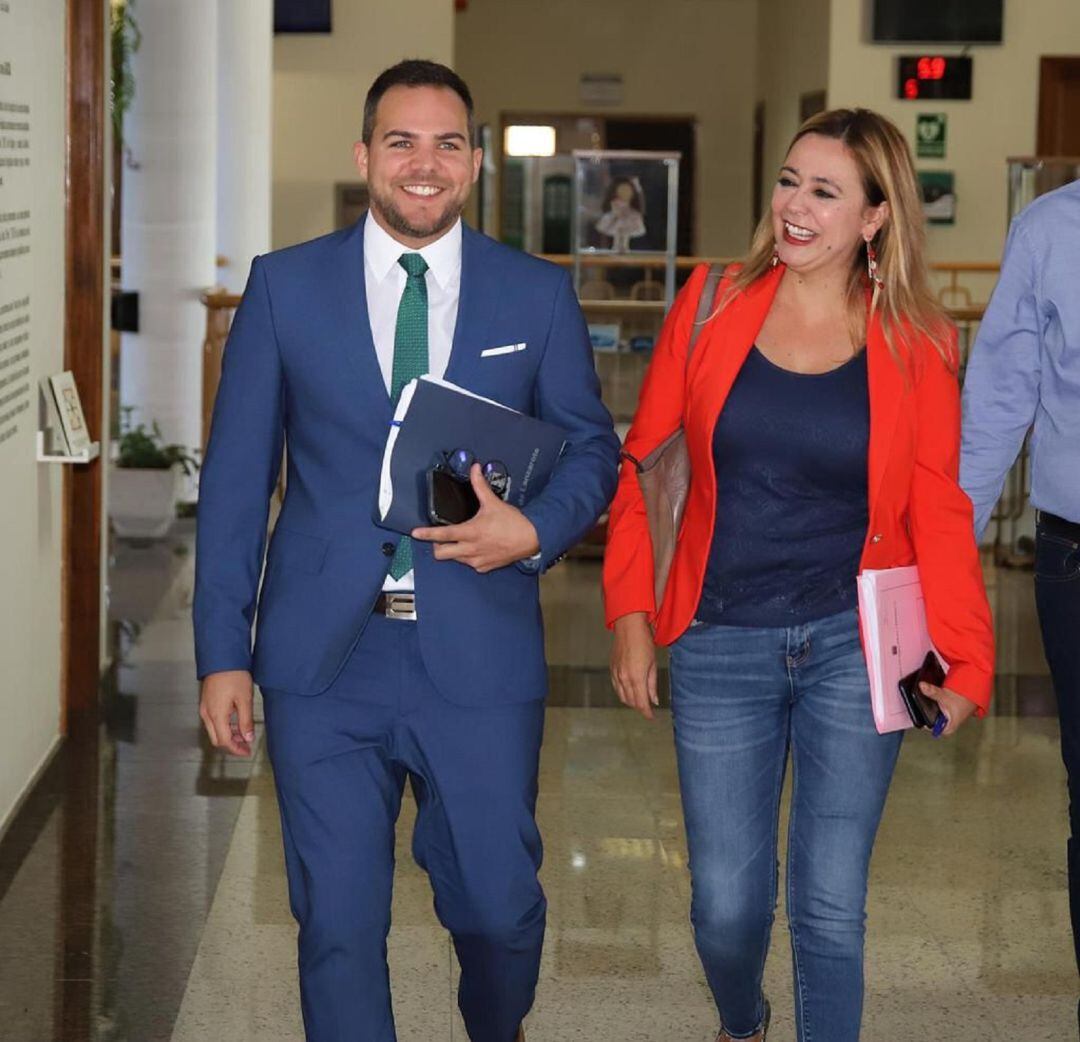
(905, 302)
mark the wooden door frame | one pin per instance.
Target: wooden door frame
(84, 353)
(510, 117)
(1045, 124)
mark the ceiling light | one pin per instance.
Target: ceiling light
(529, 141)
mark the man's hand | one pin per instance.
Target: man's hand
(225, 708)
(498, 535)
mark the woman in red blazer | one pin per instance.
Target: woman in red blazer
(822, 418)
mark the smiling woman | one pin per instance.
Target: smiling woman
(847, 202)
(811, 460)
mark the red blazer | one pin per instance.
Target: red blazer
(918, 513)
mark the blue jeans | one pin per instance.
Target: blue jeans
(1057, 596)
(741, 699)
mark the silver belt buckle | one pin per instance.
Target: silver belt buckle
(401, 606)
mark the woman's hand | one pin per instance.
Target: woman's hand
(633, 663)
(955, 707)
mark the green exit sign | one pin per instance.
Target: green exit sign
(930, 135)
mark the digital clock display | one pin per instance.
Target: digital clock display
(923, 76)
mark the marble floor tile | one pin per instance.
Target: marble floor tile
(243, 981)
(157, 909)
(954, 949)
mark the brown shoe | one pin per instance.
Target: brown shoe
(520, 1036)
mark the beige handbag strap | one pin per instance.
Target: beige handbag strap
(705, 305)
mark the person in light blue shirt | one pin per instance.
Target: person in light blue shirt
(1024, 373)
(1024, 369)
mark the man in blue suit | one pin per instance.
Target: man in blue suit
(383, 659)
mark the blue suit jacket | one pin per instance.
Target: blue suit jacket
(300, 369)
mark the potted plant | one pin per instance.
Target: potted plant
(144, 483)
(126, 39)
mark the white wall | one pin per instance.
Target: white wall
(32, 40)
(168, 215)
(319, 86)
(245, 102)
(683, 57)
(708, 58)
(793, 59)
(998, 122)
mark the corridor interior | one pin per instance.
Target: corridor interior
(142, 890)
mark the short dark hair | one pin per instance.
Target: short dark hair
(415, 72)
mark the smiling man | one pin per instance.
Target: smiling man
(385, 659)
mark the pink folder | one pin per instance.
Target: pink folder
(892, 615)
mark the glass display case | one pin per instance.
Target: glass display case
(626, 211)
(1032, 176)
(623, 250)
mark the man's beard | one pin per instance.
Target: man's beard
(395, 219)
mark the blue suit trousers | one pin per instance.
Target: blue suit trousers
(341, 760)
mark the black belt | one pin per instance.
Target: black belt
(397, 605)
(1059, 526)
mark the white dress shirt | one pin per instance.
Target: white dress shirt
(384, 281)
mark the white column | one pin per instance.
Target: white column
(168, 236)
(245, 105)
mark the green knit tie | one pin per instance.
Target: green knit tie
(410, 361)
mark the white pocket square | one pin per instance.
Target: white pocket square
(508, 349)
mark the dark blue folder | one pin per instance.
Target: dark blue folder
(440, 418)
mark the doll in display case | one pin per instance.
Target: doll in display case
(623, 218)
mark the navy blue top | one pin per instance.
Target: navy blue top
(791, 507)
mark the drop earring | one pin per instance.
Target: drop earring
(871, 266)
(775, 258)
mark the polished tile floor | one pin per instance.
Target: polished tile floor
(142, 893)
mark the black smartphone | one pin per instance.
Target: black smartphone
(923, 711)
(451, 501)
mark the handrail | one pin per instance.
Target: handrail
(218, 298)
(954, 296)
(628, 260)
(987, 267)
(220, 301)
(966, 313)
(220, 306)
(565, 260)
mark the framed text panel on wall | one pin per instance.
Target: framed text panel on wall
(32, 294)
